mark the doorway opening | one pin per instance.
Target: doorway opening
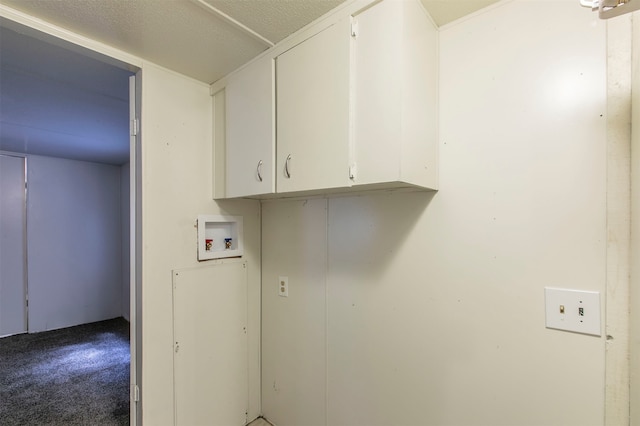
(65, 126)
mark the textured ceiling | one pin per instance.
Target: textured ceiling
(55, 101)
(445, 11)
(188, 37)
(180, 34)
(177, 34)
(274, 20)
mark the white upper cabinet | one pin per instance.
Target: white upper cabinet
(312, 101)
(349, 103)
(394, 96)
(250, 147)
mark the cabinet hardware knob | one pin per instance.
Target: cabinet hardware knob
(259, 170)
(286, 166)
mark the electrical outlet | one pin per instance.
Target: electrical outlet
(573, 310)
(283, 286)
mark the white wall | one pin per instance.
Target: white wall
(74, 242)
(294, 352)
(176, 139)
(126, 226)
(635, 229)
(13, 246)
(176, 187)
(619, 111)
(428, 308)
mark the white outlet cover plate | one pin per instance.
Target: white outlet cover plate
(573, 310)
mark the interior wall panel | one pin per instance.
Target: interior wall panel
(435, 302)
(176, 144)
(634, 306)
(74, 240)
(294, 327)
(13, 278)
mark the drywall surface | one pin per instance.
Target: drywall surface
(619, 110)
(176, 133)
(13, 246)
(126, 243)
(74, 242)
(294, 340)
(433, 308)
(635, 229)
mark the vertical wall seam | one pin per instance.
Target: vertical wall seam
(326, 314)
(261, 222)
(634, 304)
(618, 220)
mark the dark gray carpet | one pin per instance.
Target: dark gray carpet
(73, 376)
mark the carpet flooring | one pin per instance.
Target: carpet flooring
(73, 376)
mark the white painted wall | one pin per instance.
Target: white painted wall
(294, 355)
(13, 245)
(74, 242)
(177, 186)
(176, 157)
(635, 229)
(619, 111)
(126, 225)
(429, 308)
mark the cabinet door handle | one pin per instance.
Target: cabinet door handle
(286, 166)
(259, 170)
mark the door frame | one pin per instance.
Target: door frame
(50, 33)
(135, 248)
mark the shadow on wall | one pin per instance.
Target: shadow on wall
(367, 233)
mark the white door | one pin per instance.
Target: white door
(211, 372)
(313, 112)
(250, 130)
(13, 222)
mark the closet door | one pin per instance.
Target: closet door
(13, 305)
(211, 373)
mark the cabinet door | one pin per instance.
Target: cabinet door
(313, 112)
(395, 95)
(377, 91)
(250, 137)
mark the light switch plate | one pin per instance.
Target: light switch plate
(573, 310)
